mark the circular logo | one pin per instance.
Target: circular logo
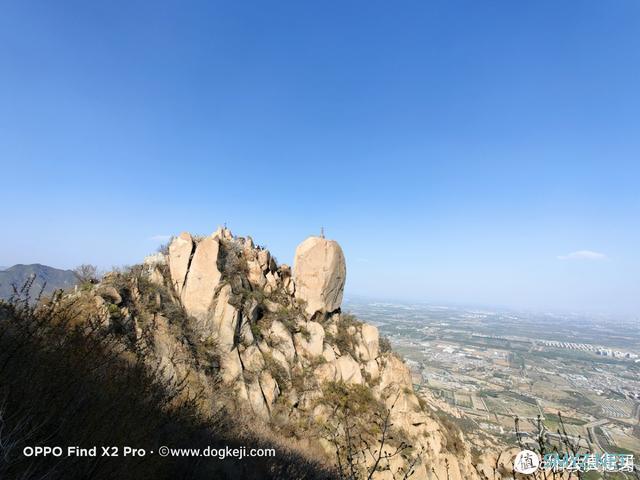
(526, 462)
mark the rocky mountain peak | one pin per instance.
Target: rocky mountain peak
(276, 339)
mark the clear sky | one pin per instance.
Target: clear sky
(460, 151)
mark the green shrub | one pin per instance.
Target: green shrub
(352, 400)
(385, 345)
(277, 371)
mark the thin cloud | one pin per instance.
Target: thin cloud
(160, 238)
(583, 255)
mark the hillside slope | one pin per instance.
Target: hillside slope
(267, 347)
(219, 312)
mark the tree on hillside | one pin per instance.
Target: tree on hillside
(86, 273)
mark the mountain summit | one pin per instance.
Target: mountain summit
(288, 354)
(266, 349)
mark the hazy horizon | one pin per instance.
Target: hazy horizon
(486, 158)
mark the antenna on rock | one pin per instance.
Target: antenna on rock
(321, 232)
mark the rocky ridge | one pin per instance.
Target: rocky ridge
(276, 339)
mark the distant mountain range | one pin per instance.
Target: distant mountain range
(51, 278)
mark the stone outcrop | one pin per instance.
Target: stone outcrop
(310, 342)
(276, 339)
(319, 275)
(180, 251)
(202, 278)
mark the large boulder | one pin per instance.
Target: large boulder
(179, 254)
(319, 274)
(202, 279)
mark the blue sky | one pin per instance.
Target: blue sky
(460, 151)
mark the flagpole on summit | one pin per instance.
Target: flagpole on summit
(321, 232)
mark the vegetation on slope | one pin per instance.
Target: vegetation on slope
(64, 383)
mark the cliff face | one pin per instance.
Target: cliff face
(278, 343)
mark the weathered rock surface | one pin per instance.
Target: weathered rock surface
(202, 278)
(349, 369)
(180, 251)
(369, 344)
(278, 340)
(311, 342)
(319, 275)
(223, 323)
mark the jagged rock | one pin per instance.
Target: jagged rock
(165, 348)
(202, 279)
(256, 275)
(349, 369)
(311, 344)
(395, 372)
(289, 286)
(281, 340)
(252, 362)
(269, 388)
(246, 336)
(372, 369)
(180, 251)
(252, 359)
(367, 348)
(256, 399)
(225, 320)
(319, 275)
(110, 294)
(222, 233)
(272, 307)
(331, 329)
(272, 282)
(230, 366)
(287, 280)
(155, 276)
(328, 353)
(279, 357)
(252, 310)
(264, 258)
(327, 372)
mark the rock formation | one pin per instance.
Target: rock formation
(319, 274)
(202, 278)
(180, 252)
(280, 344)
